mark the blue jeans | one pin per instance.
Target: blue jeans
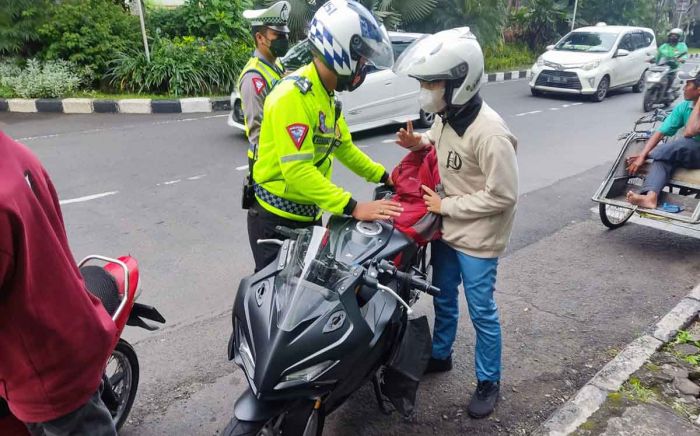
(669, 156)
(450, 267)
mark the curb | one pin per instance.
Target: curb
(148, 106)
(610, 378)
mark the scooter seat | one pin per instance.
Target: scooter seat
(103, 286)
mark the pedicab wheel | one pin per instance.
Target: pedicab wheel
(614, 216)
(123, 375)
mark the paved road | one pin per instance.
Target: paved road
(166, 189)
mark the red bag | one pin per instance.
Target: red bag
(415, 169)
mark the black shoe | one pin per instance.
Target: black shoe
(484, 399)
(438, 365)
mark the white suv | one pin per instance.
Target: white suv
(593, 60)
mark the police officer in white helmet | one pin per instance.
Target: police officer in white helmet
(479, 174)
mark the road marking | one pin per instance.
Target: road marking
(388, 141)
(170, 182)
(197, 177)
(124, 127)
(527, 113)
(242, 167)
(553, 108)
(576, 104)
(87, 198)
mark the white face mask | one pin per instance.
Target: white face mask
(432, 100)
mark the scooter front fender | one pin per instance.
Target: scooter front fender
(249, 408)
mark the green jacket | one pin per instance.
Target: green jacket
(678, 51)
(298, 130)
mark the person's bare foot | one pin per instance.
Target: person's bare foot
(647, 201)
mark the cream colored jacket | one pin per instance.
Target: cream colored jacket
(479, 173)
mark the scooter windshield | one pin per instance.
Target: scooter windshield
(307, 287)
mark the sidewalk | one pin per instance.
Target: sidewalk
(650, 388)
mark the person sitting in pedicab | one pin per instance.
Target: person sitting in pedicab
(673, 154)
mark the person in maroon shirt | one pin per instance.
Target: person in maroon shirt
(55, 336)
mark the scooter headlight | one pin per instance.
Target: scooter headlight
(305, 375)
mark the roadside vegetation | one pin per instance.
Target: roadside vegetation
(66, 48)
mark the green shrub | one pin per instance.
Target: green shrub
(207, 19)
(167, 22)
(19, 21)
(181, 66)
(49, 80)
(89, 33)
(505, 57)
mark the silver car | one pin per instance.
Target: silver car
(384, 98)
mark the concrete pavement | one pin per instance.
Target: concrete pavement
(569, 290)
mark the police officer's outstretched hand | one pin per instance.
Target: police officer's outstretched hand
(377, 210)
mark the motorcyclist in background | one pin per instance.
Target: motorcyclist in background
(675, 52)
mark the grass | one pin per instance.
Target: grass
(634, 390)
(7, 93)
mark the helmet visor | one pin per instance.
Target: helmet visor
(372, 43)
(377, 52)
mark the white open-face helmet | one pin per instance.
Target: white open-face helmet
(676, 31)
(452, 55)
(343, 32)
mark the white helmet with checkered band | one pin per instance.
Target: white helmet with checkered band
(342, 32)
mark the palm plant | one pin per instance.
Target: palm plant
(486, 19)
(393, 13)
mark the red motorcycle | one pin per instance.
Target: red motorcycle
(116, 284)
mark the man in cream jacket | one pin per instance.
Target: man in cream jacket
(479, 173)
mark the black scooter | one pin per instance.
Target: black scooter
(330, 314)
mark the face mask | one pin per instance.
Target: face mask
(432, 100)
(279, 47)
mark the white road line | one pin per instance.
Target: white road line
(527, 113)
(124, 127)
(388, 141)
(242, 167)
(553, 108)
(87, 198)
(171, 182)
(197, 177)
(576, 104)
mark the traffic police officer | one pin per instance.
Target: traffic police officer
(264, 69)
(304, 130)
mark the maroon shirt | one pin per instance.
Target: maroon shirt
(55, 337)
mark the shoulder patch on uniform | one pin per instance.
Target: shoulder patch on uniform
(298, 133)
(258, 84)
(303, 84)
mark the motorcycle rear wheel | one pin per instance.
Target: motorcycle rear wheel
(649, 98)
(123, 374)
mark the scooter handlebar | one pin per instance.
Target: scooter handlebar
(415, 281)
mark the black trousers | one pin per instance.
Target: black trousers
(261, 225)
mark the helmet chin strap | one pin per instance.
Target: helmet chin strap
(351, 83)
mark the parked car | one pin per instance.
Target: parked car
(593, 60)
(384, 98)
